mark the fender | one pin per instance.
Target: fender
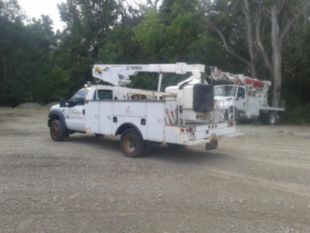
(126, 126)
(57, 114)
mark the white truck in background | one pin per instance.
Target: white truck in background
(244, 98)
(182, 115)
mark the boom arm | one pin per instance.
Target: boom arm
(218, 75)
(119, 75)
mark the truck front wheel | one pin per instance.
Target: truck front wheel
(237, 115)
(57, 131)
(132, 144)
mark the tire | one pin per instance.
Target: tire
(132, 144)
(237, 115)
(263, 118)
(269, 118)
(272, 118)
(57, 131)
(230, 113)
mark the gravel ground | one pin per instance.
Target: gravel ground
(259, 182)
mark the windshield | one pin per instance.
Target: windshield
(79, 97)
(225, 91)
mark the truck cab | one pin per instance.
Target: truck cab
(233, 98)
(74, 109)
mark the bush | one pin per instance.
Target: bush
(297, 114)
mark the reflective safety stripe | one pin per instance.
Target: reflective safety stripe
(170, 117)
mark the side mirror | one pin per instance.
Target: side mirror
(62, 103)
(71, 103)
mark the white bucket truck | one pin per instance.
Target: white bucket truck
(243, 98)
(182, 115)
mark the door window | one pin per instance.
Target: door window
(241, 93)
(79, 97)
(104, 95)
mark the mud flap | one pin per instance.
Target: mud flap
(211, 145)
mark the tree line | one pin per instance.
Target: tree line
(266, 39)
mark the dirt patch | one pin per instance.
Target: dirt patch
(51, 104)
(259, 182)
(29, 106)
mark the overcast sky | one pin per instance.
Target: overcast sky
(35, 8)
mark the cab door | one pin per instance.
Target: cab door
(99, 112)
(240, 99)
(105, 98)
(75, 114)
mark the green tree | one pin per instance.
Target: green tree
(88, 25)
(151, 36)
(255, 33)
(172, 33)
(26, 58)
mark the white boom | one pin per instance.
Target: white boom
(119, 75)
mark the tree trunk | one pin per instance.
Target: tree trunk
(249, 33)
(4, 63)
(276, 57)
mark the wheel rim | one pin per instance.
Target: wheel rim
(129, 144)
(55, 130)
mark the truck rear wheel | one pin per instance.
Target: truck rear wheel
(132, 144)
(57, 131)
(272, 118)
(269, 118)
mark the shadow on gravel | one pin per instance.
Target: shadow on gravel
(101, 143)
(184, 155)
(155, 153)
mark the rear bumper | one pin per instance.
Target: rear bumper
(198, 134)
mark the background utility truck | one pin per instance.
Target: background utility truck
(244, 98)
(182, 115)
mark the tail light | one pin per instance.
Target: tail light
(191, 130)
